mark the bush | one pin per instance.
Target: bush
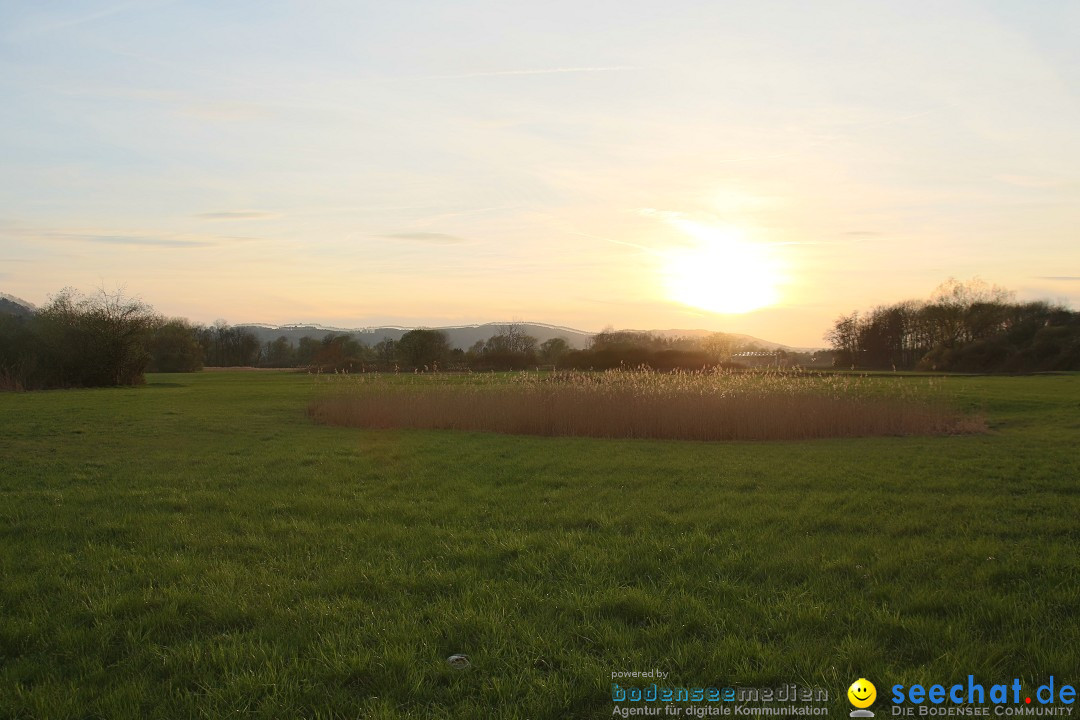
(174, 347)
(79, 341)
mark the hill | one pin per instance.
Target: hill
(460, 336)
(464, 336)
(11, 305)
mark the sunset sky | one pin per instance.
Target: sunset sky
(754, 167)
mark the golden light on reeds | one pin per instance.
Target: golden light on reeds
(705, 405)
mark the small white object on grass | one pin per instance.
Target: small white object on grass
(458, 662)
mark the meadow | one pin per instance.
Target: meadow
(200, 547)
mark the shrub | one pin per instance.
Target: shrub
(174, 347)
(79, 341)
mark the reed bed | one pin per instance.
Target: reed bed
(702, 405)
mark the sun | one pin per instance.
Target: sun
(722, 272)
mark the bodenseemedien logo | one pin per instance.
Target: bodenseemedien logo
(862, 694)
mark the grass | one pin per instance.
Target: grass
(704, 405)
(199, 548)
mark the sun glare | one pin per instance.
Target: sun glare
(723, 272)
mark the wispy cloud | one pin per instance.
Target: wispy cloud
(503, 73)
(143, 240)
(697, 224)
(105, 237)
(1059, 278)
(473, 211)
(237, 215)
(426, 237)
(613, 241)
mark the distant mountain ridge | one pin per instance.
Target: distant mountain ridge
(465, 336)
(11, 305)
(460, 336)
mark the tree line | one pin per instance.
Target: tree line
(509, 349)
(964, 327)
(106, 339)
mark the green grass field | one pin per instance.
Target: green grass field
(199, 548)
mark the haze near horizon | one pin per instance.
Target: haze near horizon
(755, 167)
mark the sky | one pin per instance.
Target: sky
(756, 167)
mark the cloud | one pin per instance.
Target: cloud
(862, 233)
(237, 215)
(501, 73)
(426, 237)
(104, 237)
(141, 240)
(613, 241)
(1059, 278)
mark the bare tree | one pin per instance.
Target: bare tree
(97, 340)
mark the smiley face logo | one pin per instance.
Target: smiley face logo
(862, 693)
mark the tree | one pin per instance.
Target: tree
(423, 349)
(386, 352)
(512, 339)
(279, 353)
(340, 352)
(953, 301)
(229, 346)
(174, 347)
(553, 350)
(511, 349)
(624, 340)
(844, 339)
(93, 341)
(969, 327)
(307, 350)
(18, 352)
(719, 347)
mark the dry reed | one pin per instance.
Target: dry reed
(705, 405)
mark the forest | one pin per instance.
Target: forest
(964, 327)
